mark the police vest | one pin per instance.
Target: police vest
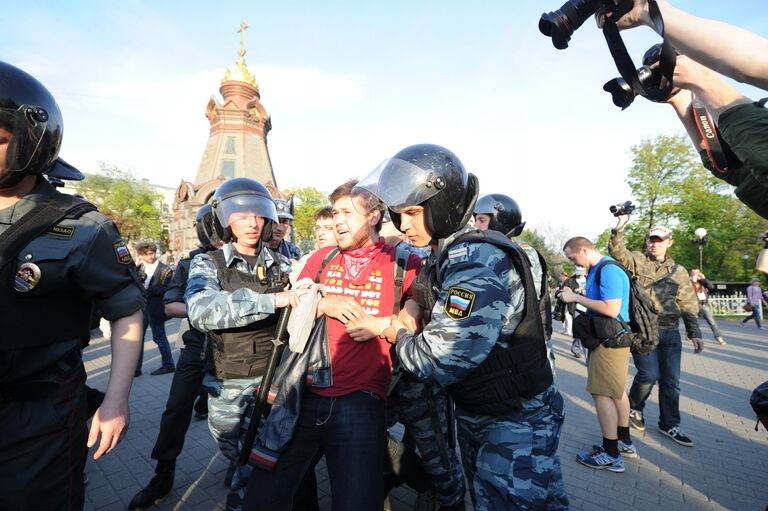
(55, 310)
(243, 352)
(521, 369)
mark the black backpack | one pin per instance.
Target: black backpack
(759, 402)
(641, 334)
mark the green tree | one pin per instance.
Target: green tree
(130, 202)
(554, 258)
(671, 187)
(306, 200)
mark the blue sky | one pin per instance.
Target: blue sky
(350, 83)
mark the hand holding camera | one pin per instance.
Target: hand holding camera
(622, 212)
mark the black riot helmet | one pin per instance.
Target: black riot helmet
(242, 195)
(204, 227)
(504, 212)
(430, 176)
(32, 127)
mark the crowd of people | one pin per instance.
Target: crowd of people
(416, 307)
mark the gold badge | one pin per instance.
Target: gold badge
(27, 277)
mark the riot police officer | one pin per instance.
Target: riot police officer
(484, 338)
(233, 294)
(59, 258)
(499, 212)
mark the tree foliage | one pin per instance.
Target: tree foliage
(130, 202)
(554, 258)
(306, 201)
(670, 187)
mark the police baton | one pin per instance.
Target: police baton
(260, 406)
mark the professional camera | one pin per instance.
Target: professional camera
(650, 79)
(622, 209)
(561, 24)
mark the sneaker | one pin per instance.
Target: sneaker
(158, 487)
(599, 459)
(720, 339)
(576, 348)
(675, 434)
(636, 420)
(628, 450)
(163, 370)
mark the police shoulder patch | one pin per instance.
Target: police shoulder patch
(64, 231)
(459, 303)
(123, 254)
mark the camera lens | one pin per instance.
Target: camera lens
(621, 93)
(561, 24)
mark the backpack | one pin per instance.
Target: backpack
(759, 402)
(641, 333)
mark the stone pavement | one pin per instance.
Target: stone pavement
(725, 469)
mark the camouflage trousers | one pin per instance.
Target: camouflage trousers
(230, 404)
(511, 462)
(421, 408)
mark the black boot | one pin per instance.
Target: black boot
(159, 486)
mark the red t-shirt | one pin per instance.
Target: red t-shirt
(360, 365)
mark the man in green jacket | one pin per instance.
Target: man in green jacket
(668, 284)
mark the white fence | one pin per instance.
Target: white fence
(728, 305)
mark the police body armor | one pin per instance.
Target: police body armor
(243, 352)
(508, 375)
(66, 308)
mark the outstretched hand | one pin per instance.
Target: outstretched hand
(110, 421)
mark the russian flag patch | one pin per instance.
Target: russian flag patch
(459, 303)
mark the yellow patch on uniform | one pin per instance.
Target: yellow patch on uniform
(65, 231)
(123, 254)
(459, 303)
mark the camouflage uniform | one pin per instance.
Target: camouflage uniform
(672, 290)
(210, 308)
(511, 460)
(421, 407)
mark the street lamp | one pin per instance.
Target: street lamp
(745, 261)
(701, 235)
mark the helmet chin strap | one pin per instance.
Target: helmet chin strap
(11, 179)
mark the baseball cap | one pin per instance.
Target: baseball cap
(660, 232)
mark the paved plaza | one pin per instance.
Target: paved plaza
(725, 469)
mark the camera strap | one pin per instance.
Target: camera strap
(710, 136)
(624, 64)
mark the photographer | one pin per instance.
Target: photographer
(669, 286)
(702, 286)
(741, 124)
(607, 298)
(730, 50)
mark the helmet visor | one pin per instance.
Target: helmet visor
(485, 205)
(241, 207)
(21, 131)
(399, 183)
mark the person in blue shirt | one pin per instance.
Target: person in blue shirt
(607, 367)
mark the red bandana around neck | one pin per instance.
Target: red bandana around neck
(355, 261)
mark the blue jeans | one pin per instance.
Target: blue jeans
(662, 365)
(757, 315)
(706, 313)
(350, 431)
(158, 335)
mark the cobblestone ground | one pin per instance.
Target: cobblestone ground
(724, 470)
